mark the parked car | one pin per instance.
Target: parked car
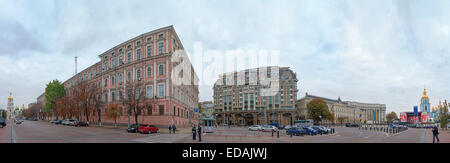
(351, 125)
(80, 123)
(58, 122)
(134, 128)
(296, 131)
(320, 130)
(148, 129)
(71, 122)
(310, 130)
(68, 122)
(2, 123)
(53, 121)
(255, 128)
(287, 127)
(268, 128)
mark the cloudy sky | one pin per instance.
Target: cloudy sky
(378, 51)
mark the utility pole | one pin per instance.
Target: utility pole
(75, 65)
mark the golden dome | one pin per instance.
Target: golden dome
(424, 96)
(10, 96)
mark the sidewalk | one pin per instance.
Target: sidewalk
(444, 136)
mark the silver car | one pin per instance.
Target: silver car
(268, 128)
(254, 128)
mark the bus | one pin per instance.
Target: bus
(307, 122)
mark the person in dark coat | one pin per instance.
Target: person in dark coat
(170, 129)
(199, 133)
(435, 133)
(174, 128)
(194, 132)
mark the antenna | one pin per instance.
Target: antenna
(75, 65)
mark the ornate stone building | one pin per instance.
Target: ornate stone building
(256, 96)
(346, 111)
(156, 63)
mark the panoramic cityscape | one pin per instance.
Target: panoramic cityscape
(79, 73)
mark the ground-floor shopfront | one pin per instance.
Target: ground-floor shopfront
(247, 118)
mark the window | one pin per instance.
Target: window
(129, 57)
(113, 61)
(120, 95)
(149, 39)
(120, 60)
(138, 93)
(161, 109)
(161, 69)
(120, 78)
(161, 90)
(106, 97)
(160, 36)
(149, 71)
(149, 51)
(105, 66)
(113, 80)
(149, 91)
(138, 74)
(106, 82)
(138, 43)
(129, 76)
(160, 48)
(113, 96)
(138, 54)
(129, 47)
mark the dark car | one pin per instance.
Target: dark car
(2, 123)
(296, 131)
(351, 125)
(134, 128)
(81, 123)
(320, 130)
(310, 131)
(58, 122)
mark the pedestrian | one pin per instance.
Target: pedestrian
(435, 133)
(170, 129)
(174, 128)
(199, 133)
(194, 132)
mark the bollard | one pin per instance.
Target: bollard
(291, 135)
(278, 134)
(272, 133)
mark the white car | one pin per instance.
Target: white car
(254, 128)
(68, 122)
(71, 122)
(268, 128)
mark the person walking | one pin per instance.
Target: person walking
(194, 132)
(199, 133)
(170, 129)
(435, 133)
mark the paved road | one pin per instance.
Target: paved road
(44, 132)
(342, 135)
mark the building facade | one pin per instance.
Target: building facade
(10, 106)
(256, 96)
(346, 111)
(151, 60)
(208, 109)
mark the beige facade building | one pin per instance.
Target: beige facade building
(346, 111)
(256, 96)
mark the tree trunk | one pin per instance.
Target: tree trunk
(99, 111)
